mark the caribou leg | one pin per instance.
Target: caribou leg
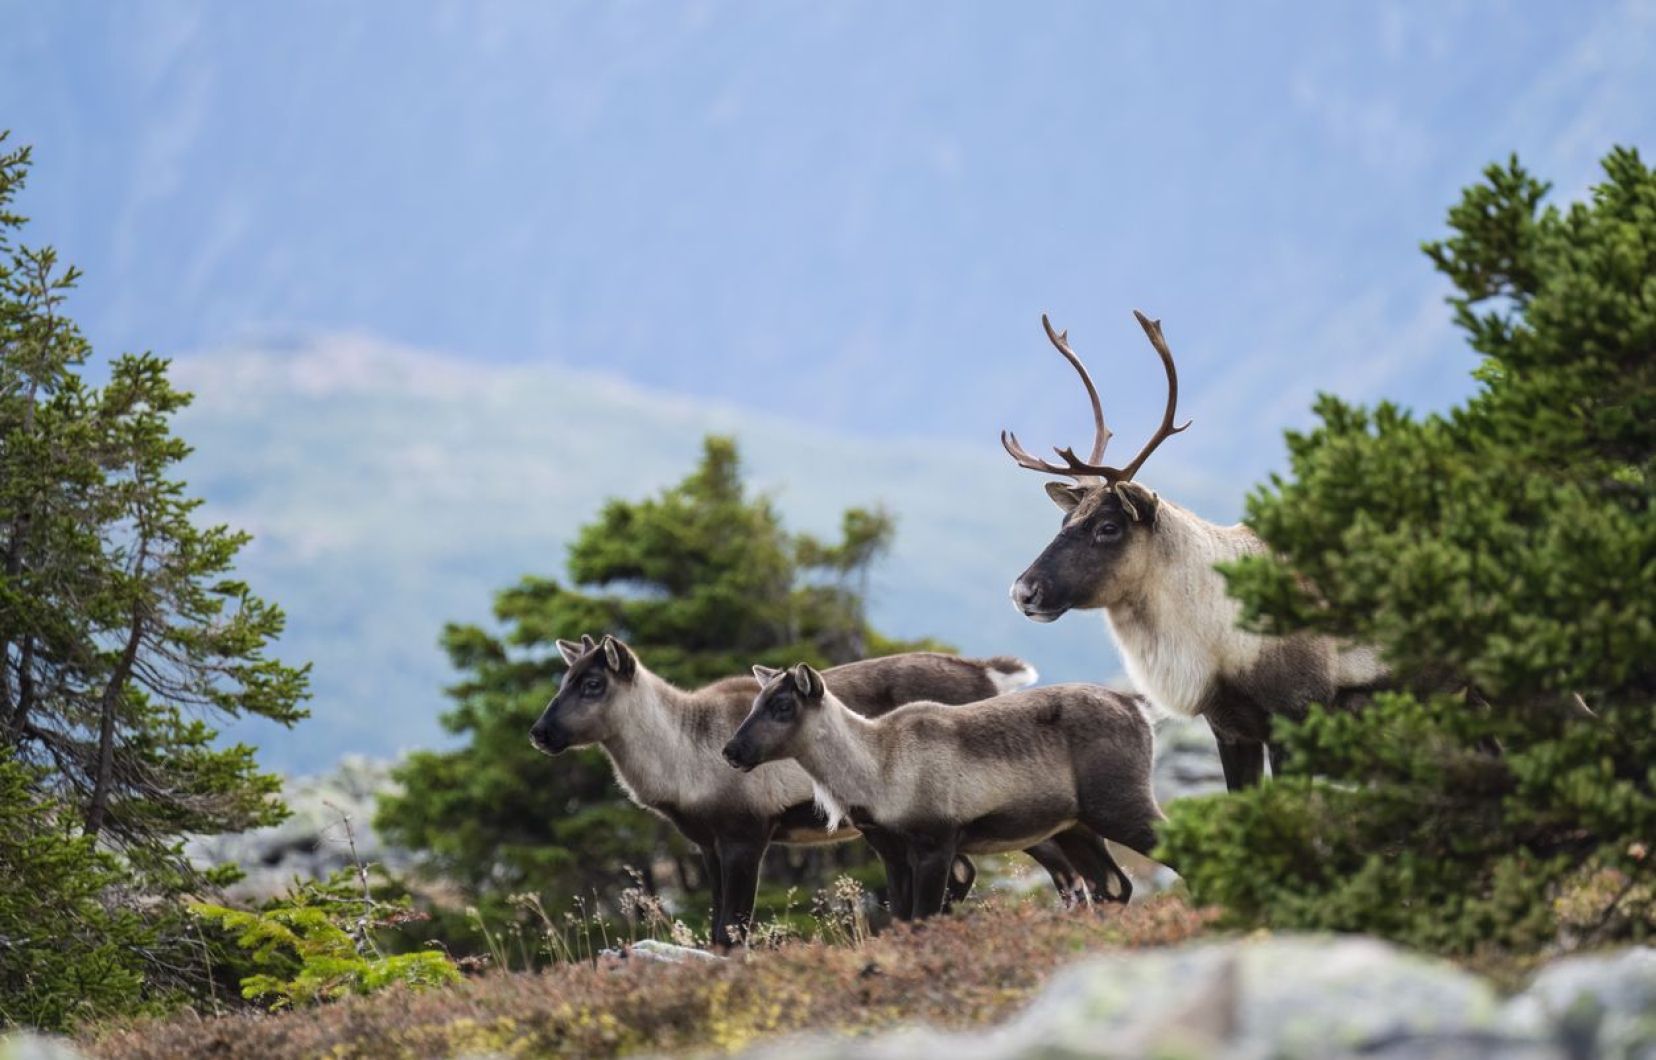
(1243, 761)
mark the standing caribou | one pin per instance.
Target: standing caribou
(1150, 566)
(665, 744)
(1068, 764)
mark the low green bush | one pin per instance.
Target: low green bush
(318, 944)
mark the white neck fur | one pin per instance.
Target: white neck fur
(1178, 629)
(840, 752)
(654, 757)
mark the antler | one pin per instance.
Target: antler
(1090, 470)
(1077, 468)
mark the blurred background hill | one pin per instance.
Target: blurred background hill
(446, 278)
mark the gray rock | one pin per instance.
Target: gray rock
(1596, 1004)
(1299, 996)
(664, 952)
(27, 1045)
(314, 841)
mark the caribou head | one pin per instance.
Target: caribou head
(1101, 552)
(600, 678)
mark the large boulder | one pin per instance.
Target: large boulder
(1298, 996)
(1596, 1004)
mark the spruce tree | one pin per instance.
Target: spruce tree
(124, 635)
(1503, 554)
(703, 581)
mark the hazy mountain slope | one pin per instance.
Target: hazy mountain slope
(392, 490)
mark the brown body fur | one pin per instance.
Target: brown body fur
(664, 744)
(990, 776)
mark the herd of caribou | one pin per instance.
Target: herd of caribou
(931, 757)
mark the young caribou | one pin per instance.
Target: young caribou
(934, 781)
(664, 744)
(1149, 564)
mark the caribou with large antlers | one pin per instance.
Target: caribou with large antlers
(1149, 565)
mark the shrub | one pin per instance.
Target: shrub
(317, 944)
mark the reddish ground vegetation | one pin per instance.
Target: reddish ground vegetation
(955, 971)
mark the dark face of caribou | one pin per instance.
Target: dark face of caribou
(1097, 557)
(772, 728)
(576, 717)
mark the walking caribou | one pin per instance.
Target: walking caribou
(1150, 566)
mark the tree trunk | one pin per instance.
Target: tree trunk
(14, 567)
(25, 688)
(108, 705)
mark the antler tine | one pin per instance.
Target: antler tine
(1101, 433)
(1153, 331)
(1088, 471)
(1076, 468)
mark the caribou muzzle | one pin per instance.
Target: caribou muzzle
(1031, 596)
(741, 756)
(549, 738)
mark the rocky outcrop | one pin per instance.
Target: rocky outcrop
(1298, 996)
(314, 841)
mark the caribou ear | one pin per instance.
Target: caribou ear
(587, 643)
(765, 674)
(808, 682)
(1140, 502)
(1065, 496)
(618, 656)
(570, 651)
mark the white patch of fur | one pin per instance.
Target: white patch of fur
(839, 752)
(1180, 631)
(1358, 664)
(829, 806)
(1011, 682)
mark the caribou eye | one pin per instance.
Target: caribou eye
(592, 686)
(782, 709)
(1108, 531)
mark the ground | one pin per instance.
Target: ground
(975, 968)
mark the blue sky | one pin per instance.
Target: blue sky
(837, 221)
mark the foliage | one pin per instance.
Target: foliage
(317, 944)
(1503, 555)
(938, 973)
(123, 633)
(120, 624)
(67, 953)
(703, 580)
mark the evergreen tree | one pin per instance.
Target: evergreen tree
(66, 952)
(1503, 555)
(702, 581)
(122, 630)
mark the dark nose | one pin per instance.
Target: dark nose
(733, 755)
(1026, 594)
(545, 738)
